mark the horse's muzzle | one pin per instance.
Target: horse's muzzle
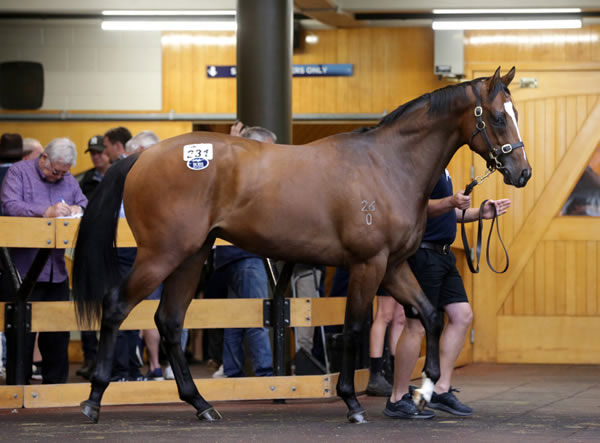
(524, 178)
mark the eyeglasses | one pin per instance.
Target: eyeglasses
(55, 172)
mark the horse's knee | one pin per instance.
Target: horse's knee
(169, 328)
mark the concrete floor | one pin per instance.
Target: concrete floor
(512, 403)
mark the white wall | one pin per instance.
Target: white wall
(86, 68)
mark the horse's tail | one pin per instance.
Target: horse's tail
(95, 264)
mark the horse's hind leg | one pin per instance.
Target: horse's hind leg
(116, 305)
(403, 286)
(178, 291)
(363, 283)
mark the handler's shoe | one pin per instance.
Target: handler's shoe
(406, 408)
(449, 403)
(378, 386)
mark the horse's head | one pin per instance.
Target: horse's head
(496, 135)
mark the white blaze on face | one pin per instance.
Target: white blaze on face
(510, 110)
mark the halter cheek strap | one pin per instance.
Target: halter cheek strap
(495, 152)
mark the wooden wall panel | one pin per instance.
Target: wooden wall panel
(80, 132)
(391, 67)
(562, 48)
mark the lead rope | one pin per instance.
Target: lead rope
(465, 240)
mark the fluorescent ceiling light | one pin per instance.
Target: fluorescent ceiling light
(505, 24)
(172, 25)
(509, 11)
(207, 12)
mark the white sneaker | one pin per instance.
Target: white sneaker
(219, 373)
(169, 373)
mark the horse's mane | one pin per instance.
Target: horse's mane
(440, 100)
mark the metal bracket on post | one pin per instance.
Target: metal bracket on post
(268, 312)
(10, 314)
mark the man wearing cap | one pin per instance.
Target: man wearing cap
(101, 163)
(90, 180)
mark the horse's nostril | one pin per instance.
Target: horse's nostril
(525, 174)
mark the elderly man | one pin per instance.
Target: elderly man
(44, 187)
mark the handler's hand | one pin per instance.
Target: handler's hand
(501, 205)
(460, 200)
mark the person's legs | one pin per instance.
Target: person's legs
(249, 280)
(460, 317)
(233, 352)
(407, 354)
(54, 346)
(400, 403)
(307, 281)
(378, 385)
(151, 338)
(454, 300)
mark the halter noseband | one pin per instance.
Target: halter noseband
(495, 152)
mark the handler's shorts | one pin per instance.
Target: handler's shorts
(439, 278)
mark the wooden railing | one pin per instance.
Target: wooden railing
(213, 313)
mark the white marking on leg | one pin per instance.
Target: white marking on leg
(425, 391)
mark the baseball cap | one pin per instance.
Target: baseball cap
(96, 143)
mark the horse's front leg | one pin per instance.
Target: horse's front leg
(363, 283)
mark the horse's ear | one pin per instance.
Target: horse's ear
(494, 80)
(507, 78)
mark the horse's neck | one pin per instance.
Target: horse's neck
(425, 148)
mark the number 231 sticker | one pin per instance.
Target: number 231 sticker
(197, 156)
(198, 150)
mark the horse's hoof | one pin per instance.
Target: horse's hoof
(90, 410)
(210, 414)
(357, 416)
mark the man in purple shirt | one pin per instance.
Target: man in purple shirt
(43, 187)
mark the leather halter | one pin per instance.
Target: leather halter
(495, 151)
(495, 154)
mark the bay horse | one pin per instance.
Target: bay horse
(356, 200)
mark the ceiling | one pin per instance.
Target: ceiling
(335, 13)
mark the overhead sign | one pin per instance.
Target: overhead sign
(322, 70)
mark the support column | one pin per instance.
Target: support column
(264, 65)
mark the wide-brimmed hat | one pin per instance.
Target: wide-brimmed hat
(11, 148)
(96, 144)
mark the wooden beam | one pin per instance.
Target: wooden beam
(66, 232)
(27, 232)
(11, 396)
(326, 12)
(202, 314)
(573, 228)
(550, 201)
(213, 389)
(536, 339)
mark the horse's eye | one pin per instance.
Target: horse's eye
(499, 120)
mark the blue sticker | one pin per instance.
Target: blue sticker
(197, 163)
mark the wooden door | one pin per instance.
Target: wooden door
(546, 308)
